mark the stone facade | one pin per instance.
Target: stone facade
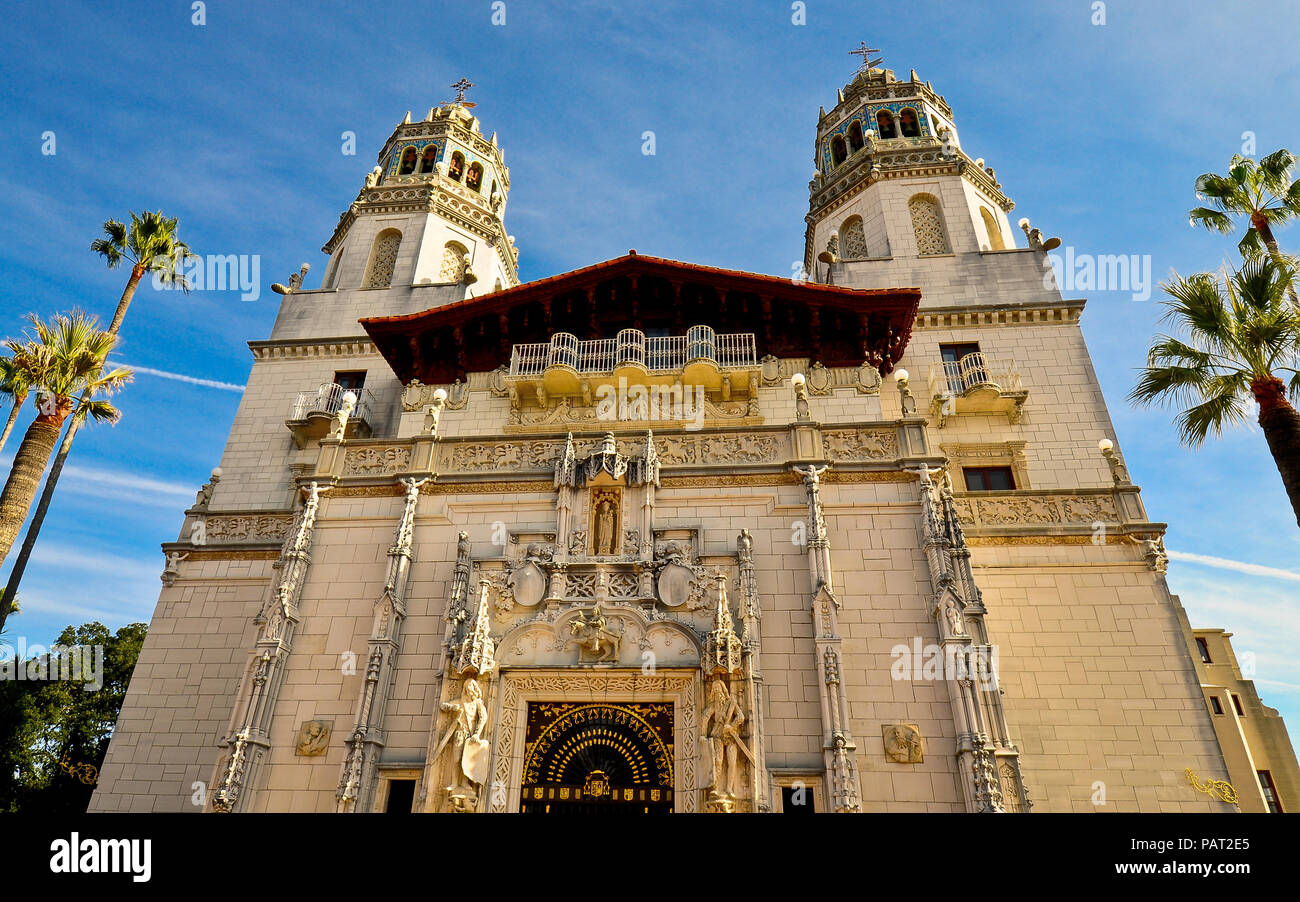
(749, 611)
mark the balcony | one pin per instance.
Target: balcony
(976, 384)
(565, 366)
(313, 413)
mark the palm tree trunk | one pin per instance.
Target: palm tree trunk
(52, 481)
(13, 416)
(24, 476)
(1266, 235)
(1281, 424)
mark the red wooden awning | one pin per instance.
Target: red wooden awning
(836, 326)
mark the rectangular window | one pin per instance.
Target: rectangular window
(797, 799)
(1236, 703)
(1215, 705)
(352, 380)
(401, 795)
(1204, 648)
(988, 479)
(1270, 792)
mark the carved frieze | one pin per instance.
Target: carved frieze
(223, 528)
(376, 460)
(1040, 510)
(860, 444)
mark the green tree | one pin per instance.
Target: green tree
(150, 244)
(53, 731)
(1264, 192)
(1240, 337)
(66, 359)
(13, 382)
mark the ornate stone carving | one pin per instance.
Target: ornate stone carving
(903, 743)
(868, 381)
(376, 460)
(720, 724)
(313, 738)
(819, 379)
(596, 642)
(606, 519)
(528, 581)
(860, 444)
(1046, 509)
(722, 648)
(770, 370)
(467, 751)
(247, 528)
(680, 582)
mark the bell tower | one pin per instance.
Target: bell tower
(432, 212)
(892, 181)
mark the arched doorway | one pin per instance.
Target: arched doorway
(598, 758)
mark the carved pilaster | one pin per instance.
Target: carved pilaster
(249, 739)
(838, 746)
(751, 643)
(360, 771)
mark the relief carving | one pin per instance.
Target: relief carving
(376, 461)
(860, 444)
(903, 743)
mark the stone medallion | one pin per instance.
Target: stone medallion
(528, 583)
(675, 584)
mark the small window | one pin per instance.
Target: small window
(408, 162)
(401, 796)
(352, 380)
(855, 136)
(456, 168)
(474, 180)
(797, 800)
(908, 123)
(885, 124)
(428, 158)
(1204, 648)
(1216, 705)
(1236, 703)
(988, 479)
(839, 153)
(1270, 792)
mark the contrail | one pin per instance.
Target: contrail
(1224, 563)
(180, 377)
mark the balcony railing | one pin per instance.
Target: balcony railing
(973, 371)
(328, 399)
(656, 354)
(976, 384)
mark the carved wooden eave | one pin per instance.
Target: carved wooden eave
(834, 325)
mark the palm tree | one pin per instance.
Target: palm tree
(150, 244)
(61, 359)
(1242, 339)
(1262, 191)
(14, 384)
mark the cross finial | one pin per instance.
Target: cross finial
(461, 87)
(867, 62)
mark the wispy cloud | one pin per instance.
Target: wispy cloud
(181, 377)
(1223, 563)
(114, 483)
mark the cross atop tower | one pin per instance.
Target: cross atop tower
(464, 85)
(867, 62)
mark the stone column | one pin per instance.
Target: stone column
(360, 768)
(249, 739)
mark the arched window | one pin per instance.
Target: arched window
(383, 258)
(853, 241)
(838, 151)
(927, 223)
(453, 262)
(908, 123)
(885, 124)
(474, 179)
(408, 162)
(428, 158)
(456, 167)
(991, 226)
(855, 136)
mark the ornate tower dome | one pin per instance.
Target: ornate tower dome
(431, 212)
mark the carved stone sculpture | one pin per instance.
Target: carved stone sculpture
(720, 724)
(466, 749)
(313, 738)
(903, 743)
(595, 640)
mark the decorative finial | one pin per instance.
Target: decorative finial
(460, 88)
(867, 62)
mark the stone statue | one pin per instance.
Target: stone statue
(171, 569)
(720, 724)
(606, 532)
(956, 623)
(372, 178)
(745, 546)
(593, 636)
(433, 412)
(340, 426)
(468, 749)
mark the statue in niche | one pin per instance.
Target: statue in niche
(605, 533)
(468, 749)
(956, 623)
(720, 724)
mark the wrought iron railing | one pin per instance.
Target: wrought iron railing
(973, 371)
(328, 398)
(633, 347)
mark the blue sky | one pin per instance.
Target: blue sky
(235, 126)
